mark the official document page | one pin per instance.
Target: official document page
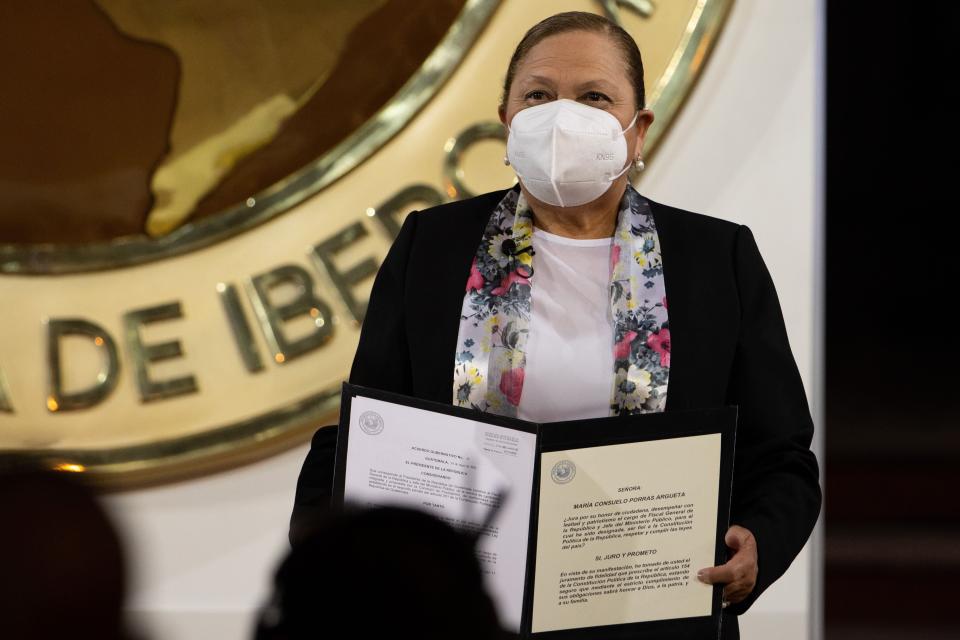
(585, 529)
(622, 531)
(457, 470)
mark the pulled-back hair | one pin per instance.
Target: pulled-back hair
(580, 21)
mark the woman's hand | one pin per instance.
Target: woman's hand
(739, 574)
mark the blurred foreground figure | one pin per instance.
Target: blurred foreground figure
(62, 564)
(385, 572)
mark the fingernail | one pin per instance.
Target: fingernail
(700, 576)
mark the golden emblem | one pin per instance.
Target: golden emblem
(195, 201)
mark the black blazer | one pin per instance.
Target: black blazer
(728, 347)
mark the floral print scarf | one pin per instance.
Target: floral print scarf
(494, 324)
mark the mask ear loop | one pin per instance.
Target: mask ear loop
(629, 163)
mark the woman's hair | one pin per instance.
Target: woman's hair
(580, 21)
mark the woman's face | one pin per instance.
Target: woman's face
(585, 66)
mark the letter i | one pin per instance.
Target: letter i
(240, 328)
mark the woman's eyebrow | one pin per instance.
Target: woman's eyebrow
(599, 83)
(537, 79)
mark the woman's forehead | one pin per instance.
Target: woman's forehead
(577, 56)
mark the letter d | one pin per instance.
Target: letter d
(58, 399)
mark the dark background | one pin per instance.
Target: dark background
(892, 382)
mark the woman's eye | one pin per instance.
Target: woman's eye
(595, 96)
(536, 94)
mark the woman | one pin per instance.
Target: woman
(573, 296)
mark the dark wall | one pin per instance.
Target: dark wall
(892, 369)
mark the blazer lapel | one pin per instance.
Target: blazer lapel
(452, 243)
(677, 259)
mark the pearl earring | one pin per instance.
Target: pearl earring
(639, 164)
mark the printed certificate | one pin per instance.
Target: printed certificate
(589, 528)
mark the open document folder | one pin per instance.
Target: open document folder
(585, 529)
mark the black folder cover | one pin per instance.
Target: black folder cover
(577, 434)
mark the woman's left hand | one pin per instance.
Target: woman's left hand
(739, 574)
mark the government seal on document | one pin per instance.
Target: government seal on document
(371, 422)
(563, 472)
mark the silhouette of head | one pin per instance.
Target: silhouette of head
(385, 571)
(62, 564)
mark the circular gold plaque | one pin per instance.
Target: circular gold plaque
(190, 296)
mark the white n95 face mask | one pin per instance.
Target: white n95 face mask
(565, 153)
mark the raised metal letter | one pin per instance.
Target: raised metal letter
(344, 281)
(5, 405)
(272, 317)
(241, 329)
(57, 399)
(399, 203)
(143, 354)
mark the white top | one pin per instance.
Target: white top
(569, 370)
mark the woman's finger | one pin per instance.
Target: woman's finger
(716, 575)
